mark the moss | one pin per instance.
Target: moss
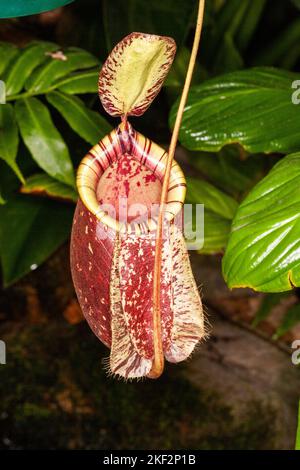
(55, 394)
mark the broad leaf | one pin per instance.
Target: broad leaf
(43, 140)
(219, 209)
(30, 230)
(9, 138)
(79, 82)
(264, 246)
(8, 52)
(29, 58)
(54, 68)
(42, 184)
(134, 72)
(251, 107)
(90, 125)
(291, 319)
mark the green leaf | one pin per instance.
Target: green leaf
(291, 319)
(227, 170)
(30, 57)
(43, 140)
(166, 18)
(281, 46)
(228, 57)
(90, 125)
(8, 52)
(9, 138)
(202, 192)
(268, 303)
(219, 209)
(79, 82)
(251, 107)
(227, 23)
(30, 230)
(298, 429)
(263, 251)
(43, 184)
(176, 76)
(250, 22)
(53, 69)
(216, 233)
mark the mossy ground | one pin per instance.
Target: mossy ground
(56, 394)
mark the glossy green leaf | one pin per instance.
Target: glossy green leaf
(29, 58)
(291, 319)
(54, 68)
(43, 140)
(251, 107)
(166, 18)
(9, 138)
(8, 52)
(263, 251)
(43, 184)
(79, 82)
(90, 125)
(219, 209)
(30, 230)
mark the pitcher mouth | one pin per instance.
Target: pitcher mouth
(125, 140)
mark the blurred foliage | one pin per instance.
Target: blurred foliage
(238, 123)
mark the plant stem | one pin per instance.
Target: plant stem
(158, 361)
(29, 94)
